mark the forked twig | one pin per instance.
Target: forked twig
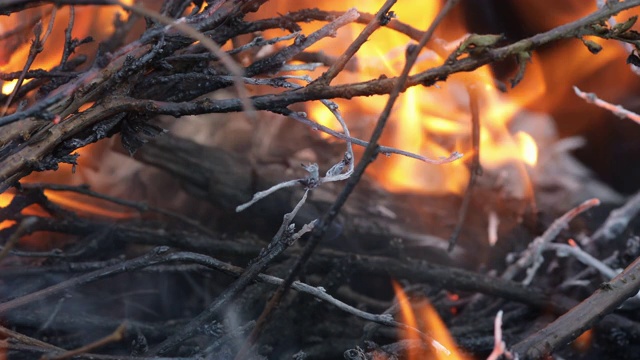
(531, 259)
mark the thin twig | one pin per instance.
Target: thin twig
(34, 50)
(617, 110)
(386, 150)
(618, 220)
(531, 259)
(23, 228)
(139, 206)
(372, 26)
(7, 333)
(275, 61)
(68, 37)
(476, 168)
(583, 257)
(499, 346)
(117, 335)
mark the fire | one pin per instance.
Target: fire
(528, 148)
(422, 316)
(432, 121)
(435, 121)
(5, 199)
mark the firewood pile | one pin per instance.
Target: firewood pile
(196, 234)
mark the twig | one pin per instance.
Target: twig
(6, 333)
(29, 350)
(302, 118)
(617, 110)
(141, 207)
(259, 41)
(34, 50)
(618, 220)
(373, 25)
(335, 173)
(264, 193)
(23, 228)
(275, 61)
(475, 170)
(117, 335)
(531, 259)
(38, 74)
(612, 23)
(149, 259)
(583, 257)
(499, 347)
(570, 325)
(386, 150)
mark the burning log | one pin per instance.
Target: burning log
(141, 281)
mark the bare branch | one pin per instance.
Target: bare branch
(617, 110)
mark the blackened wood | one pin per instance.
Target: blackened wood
(571, 325)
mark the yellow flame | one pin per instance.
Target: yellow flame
(528, 148)
(8, 86)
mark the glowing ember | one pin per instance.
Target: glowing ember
(583, 342)
(422, 316)
(5, 199)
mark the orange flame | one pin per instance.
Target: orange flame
(96, 21)
(422, 316)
